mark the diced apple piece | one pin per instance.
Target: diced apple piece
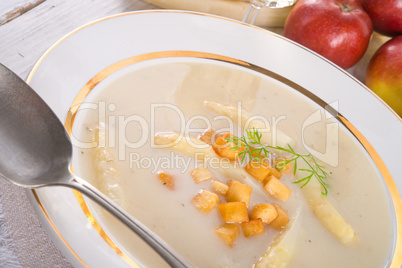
(239, 192)
(208, 137)
(259, 171)
(228, 233)
(233, 212)
(205, 201)
(219, 187)
(224, 148)
(266, 212)
(282, 219)
(167, 180)
(201, 174)
(276, 188)
(252, 227)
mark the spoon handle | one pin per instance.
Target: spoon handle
(161, 247)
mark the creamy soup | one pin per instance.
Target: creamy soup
(163, 96)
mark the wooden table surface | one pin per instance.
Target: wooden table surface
(27, 29)
(25, 38)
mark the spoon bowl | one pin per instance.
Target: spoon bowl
(36, 151)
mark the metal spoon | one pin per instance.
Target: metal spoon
(35, 151)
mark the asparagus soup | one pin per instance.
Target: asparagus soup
(159, 138)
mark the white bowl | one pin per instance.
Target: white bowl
(73, 66)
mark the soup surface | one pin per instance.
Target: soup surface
(130, 107)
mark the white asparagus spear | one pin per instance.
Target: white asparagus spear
(108, 177)
(328, 215)
(204, 152)
(272, 137)
(282, 250)
(268, 17)
(192, 147)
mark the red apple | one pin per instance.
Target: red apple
(339, 30)
(384, 73)
(386, 15)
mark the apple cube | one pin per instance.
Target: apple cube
(257, 170)
(224, 148)
(167, 180)
(205, 201)
(228, 233)
(208, 136)
(219, 187)
(239, 192)
(282, 219)
(266, 212)
(252, 227)
(201, 174)
(276, 188)
(233, 212)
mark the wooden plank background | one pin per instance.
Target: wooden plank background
(24, 39)
(11, 9)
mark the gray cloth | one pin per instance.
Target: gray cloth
(23, 240)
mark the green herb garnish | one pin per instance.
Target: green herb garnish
(255, 150)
